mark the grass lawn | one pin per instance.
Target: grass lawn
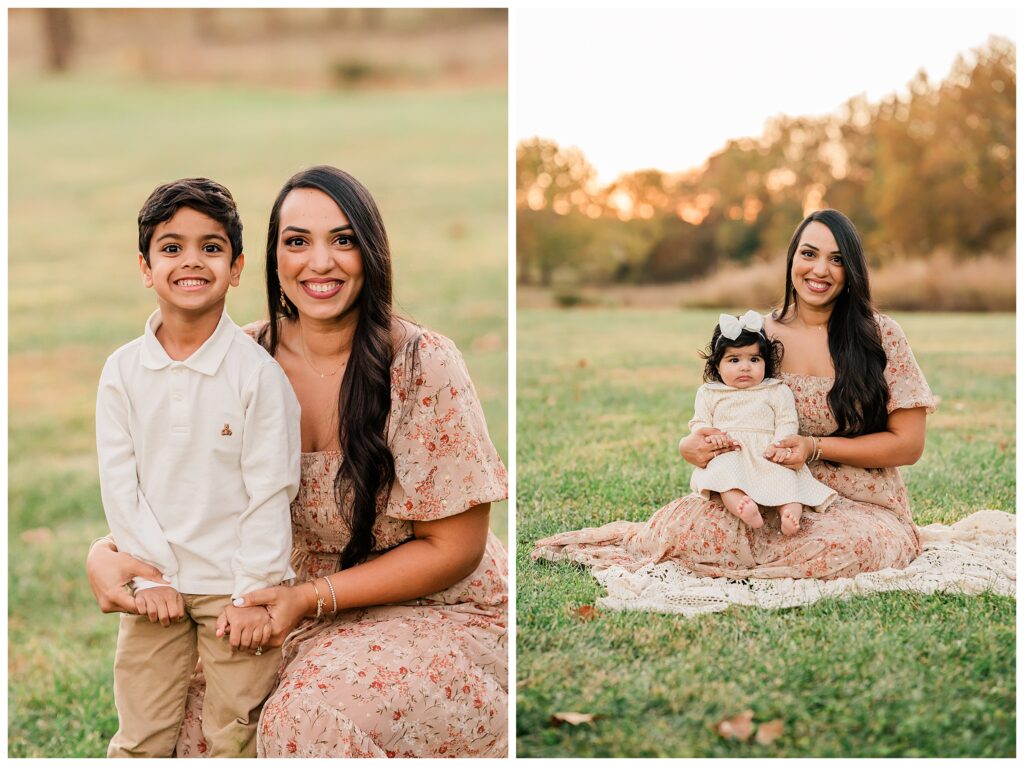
(83, 156)
(603, 397)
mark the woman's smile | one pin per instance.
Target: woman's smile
(818, 273)
(319, 261)
(321, 289)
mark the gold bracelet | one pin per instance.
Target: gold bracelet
(320, 603)
(817, 451)
(333, 597)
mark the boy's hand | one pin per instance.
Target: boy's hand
(249, 627)
(163, 604)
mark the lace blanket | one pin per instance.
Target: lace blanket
(973, 555)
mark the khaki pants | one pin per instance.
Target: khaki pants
(152, 671)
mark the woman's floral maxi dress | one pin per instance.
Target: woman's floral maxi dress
(425, 678)
(867, 528)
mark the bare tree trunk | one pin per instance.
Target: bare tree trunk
(59, 38)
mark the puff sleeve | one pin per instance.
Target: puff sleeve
(701, 410)
(787, 422)
(445, 462)
(907, 386)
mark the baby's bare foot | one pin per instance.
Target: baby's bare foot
(748, 511)
(790, 515)
(741, 506)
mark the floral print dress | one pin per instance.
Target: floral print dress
(867, 528)
(424, 678)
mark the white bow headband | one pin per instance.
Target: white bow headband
(731, 327)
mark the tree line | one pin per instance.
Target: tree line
(928, 172)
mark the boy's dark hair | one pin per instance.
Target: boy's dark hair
(202, 195)
(770, 350)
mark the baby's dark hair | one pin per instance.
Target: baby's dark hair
(770, 350)
(202, 195)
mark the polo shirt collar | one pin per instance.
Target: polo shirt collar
(206, 359)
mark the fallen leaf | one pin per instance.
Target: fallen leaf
(582, 362)
(552, 401)
(39, 535)
(769, 731)
(573, 719)
(587, 612)
(739, 727)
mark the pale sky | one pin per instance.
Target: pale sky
(664, 89)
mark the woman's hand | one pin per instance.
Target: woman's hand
(791, 451)
(705, 444)
(109, 571)
(287, 607)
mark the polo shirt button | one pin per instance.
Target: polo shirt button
(177, 397)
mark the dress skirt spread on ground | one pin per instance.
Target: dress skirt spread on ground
(694, 556)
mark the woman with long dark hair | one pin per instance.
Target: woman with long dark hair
(394, 633)
(861, 400)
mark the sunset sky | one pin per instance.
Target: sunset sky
(666, 88)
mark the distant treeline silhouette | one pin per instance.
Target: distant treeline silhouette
(927, 173)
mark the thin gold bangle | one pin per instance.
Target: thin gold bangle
(320, 603)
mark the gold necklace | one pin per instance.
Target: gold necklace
(822, 326)
(302, 346)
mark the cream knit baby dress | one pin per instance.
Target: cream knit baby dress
(755, 417)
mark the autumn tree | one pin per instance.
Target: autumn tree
(932, 170)
(552, 177)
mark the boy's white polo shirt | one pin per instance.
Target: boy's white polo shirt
(199, 460)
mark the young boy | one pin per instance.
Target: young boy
(197, 431)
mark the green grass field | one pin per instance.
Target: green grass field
(602, 398)
(83, 156)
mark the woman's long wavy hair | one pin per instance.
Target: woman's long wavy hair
(368, 467)
(859, 395)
